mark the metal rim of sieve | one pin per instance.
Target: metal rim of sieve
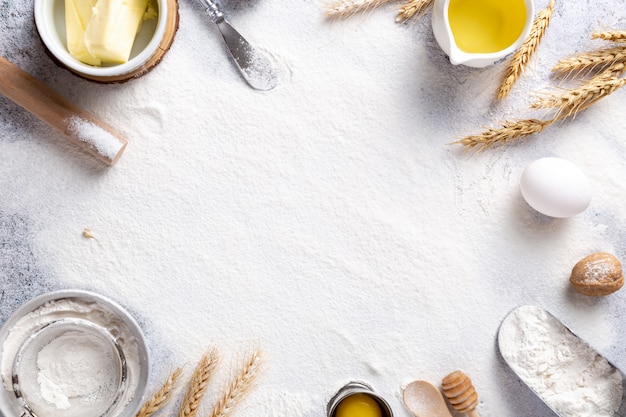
(78, 323)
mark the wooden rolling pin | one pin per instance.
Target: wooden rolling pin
(459, 390)
(82, 128)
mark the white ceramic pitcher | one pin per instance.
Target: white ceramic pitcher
(445, 37)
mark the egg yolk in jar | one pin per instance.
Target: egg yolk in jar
(358, 405)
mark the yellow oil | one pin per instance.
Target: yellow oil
(483, 26)
(358, 405)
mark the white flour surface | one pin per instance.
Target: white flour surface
(328, 221)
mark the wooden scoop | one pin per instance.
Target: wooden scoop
(423, 399)
(458, 389)
(82, 128)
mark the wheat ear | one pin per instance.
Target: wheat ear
(412, 8)
(198, 383)
(525, 52)
(238, 386)
(161, 397)
(611, 35)
(591, 60)
(574, 101)
(507, 132)
(347, 8)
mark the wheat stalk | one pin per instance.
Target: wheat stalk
(238, 386)
(161, 397)
(611, 35)
(567, 104)
(412, 8)
(347, 8)
(508, 131)
(614, 70)
(574, 101)
(525, 52)
(591, 61)
(198, 384)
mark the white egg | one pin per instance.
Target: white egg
(555, 187)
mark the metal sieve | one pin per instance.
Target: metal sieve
(102, 363)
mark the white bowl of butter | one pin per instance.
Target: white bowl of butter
(102, 40)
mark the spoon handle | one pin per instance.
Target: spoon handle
(213, 10)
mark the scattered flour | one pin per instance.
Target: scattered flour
(571, 377)
(22, 277)
(278, 404)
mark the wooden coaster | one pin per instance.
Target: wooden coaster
(171, 27)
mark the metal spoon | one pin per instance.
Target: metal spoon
(254, 67)
(424, 400)
(507, 338)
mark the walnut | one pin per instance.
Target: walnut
(597, 274)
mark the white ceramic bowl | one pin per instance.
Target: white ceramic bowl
(50, 22)
(445, 38)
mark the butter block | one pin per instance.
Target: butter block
(77, 16)
(151, 11)
(111, 32)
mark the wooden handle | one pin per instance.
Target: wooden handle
(82, 128)
(458, 389)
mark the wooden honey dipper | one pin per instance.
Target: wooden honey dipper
(458, 389)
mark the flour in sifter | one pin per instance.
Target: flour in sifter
(74, 365)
